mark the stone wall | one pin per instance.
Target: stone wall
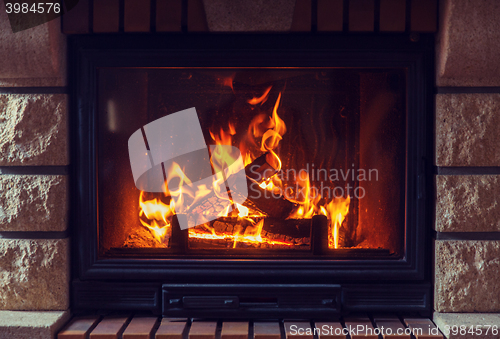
(467, 220)
(34, 247)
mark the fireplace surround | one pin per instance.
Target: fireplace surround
(35, 298)
(329, 280)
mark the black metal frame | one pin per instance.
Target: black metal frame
(412, 272)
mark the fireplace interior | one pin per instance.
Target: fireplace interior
(322, 147)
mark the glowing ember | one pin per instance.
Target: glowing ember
(252, 235)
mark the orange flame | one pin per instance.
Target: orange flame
(262, 99)
(273, 136)
(248, 143)
(222, 157)
(305, 199)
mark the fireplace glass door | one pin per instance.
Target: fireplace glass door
(322, 152)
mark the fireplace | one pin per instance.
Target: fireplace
(329, 135)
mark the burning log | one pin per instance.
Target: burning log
(230, 232)
(209, 205)
(294, 228)
(259, 199)
(320, 234)
(262, 199)
(262, 168)
(267, 202)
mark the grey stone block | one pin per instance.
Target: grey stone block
(34, 275)
(466, 276)
(467, 130)
(33, 203)
(33, 129)
(467, 203)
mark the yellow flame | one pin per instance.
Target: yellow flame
(156, 211)
(242, 210)
(160, 233)
(337, 211)
(225, 212)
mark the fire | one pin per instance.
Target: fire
(222, 157)
(337, 210)
(306, 199)
(263, 135)
(160, 233)
(273, 135)
(264, 132)
(251, 235)
(262, 99)
(275, 130)
(187, 194)
(309, 205)
(249, 141)
(242, 211)
(159, 215)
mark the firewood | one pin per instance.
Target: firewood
(262, 168)
(267, 202)
(258, 199)
(270, 203)
(293, 228)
